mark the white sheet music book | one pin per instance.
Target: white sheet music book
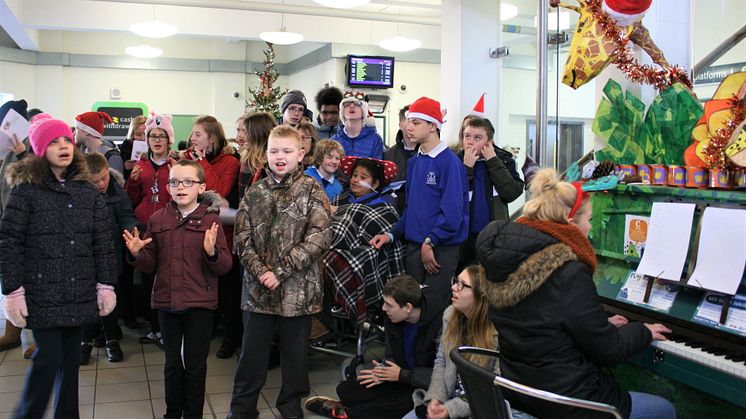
(668, 240)
(722, 250)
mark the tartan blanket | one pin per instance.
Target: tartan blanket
(357, 270)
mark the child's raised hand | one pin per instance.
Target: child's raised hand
(133, 241)
(269, 280)
(136, 171)
(470, 157)
(211, 237)
(16, 145)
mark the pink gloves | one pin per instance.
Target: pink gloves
(14, 307)
(106, 299)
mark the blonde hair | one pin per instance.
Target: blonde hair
(134, 125)
(476, 328)
(258, 126)
(286, 131)
(551, 198)
(325, 147)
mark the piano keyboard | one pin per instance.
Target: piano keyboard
(726, 363)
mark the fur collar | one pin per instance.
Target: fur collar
(530, 275)
(33, 170)
(212, 199)
(116, 177)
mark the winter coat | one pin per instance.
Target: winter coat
(503, 185)
(185, 276)
(121, 216)
(327, 132)
(141, 191)
(367, 144)
(283, 227)
(444, 380)
(399, 155)
(126, 151)
(10, 158)
(554, 334)
(425, 344)
(112, 154)
(56, 243)
(221, 173)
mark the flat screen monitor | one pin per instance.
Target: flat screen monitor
(371, 72)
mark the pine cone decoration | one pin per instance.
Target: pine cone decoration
(632, 179)
(604, 168)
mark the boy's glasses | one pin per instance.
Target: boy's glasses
(174, 183)
(158, 138)
(460, 285)
(296, 109)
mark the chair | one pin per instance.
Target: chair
(484, 389)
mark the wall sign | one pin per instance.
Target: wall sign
(121, 113)
(716, 74)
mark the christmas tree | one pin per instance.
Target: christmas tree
(264, 97)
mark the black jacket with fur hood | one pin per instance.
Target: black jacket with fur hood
(554, 334)
(56, 243)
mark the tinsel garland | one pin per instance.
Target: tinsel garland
(622, 56)
(714, 150)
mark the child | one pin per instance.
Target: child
(493, 180)
(359, 136)
(121, 217)
(368, 180)
(57, 248)
(187, 251)
(309, 138)
(436, 220)
(282, 230)
(325, 164)
(414, 320)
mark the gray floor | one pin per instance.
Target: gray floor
(133, 388)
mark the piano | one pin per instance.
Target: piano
(708, 358)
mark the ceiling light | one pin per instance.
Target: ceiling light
(507, 11)
(342, 4)
(281, 37)
(153, 29)
(564, 21)
(144, 51)
(400, 44)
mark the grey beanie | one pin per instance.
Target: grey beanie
(293, 97)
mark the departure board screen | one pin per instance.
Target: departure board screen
(367, 71)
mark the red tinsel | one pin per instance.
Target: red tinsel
(714, 150)
(622, 56)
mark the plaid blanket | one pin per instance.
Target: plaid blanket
(356, 269)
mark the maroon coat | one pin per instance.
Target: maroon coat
(141, 190)
(185, 276)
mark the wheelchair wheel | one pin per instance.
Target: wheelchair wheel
(351, 367)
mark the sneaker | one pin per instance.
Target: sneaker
(85, 353)
(99, 341)
(147, 339)
(114, 351)
(318, 330)
(326, 407)
(227, 349)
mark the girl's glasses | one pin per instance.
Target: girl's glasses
(157, 138)
(460, 285)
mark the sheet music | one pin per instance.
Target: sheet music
(138, 147)
(722, 250)
(667, 240)
(12, 124)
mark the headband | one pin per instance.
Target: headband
(578, 199)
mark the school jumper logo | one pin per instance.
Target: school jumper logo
(431, 180)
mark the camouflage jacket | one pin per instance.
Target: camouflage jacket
(283, 227)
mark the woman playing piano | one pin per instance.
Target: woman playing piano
(554, 334)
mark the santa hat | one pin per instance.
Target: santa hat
(92, 123)
(359, 99)
(160, 121)
(478, 109)
(426, 109)
(44, 129)
(389, 168)
(626, 12)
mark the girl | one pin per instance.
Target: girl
(136, 133)
(147, 188)
(554, 333)
(309, 138)
(253, 156)
(208, 146)
(325, 165)
(368, 179)
(57, 249)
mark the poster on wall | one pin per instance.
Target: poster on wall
(121, 114)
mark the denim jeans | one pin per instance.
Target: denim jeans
(648, 406)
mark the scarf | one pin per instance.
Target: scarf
(567, 234)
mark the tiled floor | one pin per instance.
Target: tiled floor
(133, 389)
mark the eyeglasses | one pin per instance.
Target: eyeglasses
(158, 138)
(329, 112)
(297, 109)
(460, 285)
(306, 137)
(174, 183)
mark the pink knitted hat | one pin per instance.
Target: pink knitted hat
(44, 129)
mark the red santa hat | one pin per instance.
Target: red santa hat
(626, 12)
(92, 123)
(479, 107)
(426, 109)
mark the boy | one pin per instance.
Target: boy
(493, 180)
(325, 164)
(187, 251)
(121, 217)
(282, 230)
(89, 132)
(413, 324)
(436, 220)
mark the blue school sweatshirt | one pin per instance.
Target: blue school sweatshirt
(437, 199)
(332, 188)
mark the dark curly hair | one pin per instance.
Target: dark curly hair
(328, 96)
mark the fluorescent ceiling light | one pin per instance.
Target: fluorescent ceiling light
(144, 51)
(564, 21)
(342, 4)
(400, 44)
(153, 29)
(281, 37)
(507, 11)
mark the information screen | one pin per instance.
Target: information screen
(367, 71)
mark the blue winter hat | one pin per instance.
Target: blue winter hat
(19, 106)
